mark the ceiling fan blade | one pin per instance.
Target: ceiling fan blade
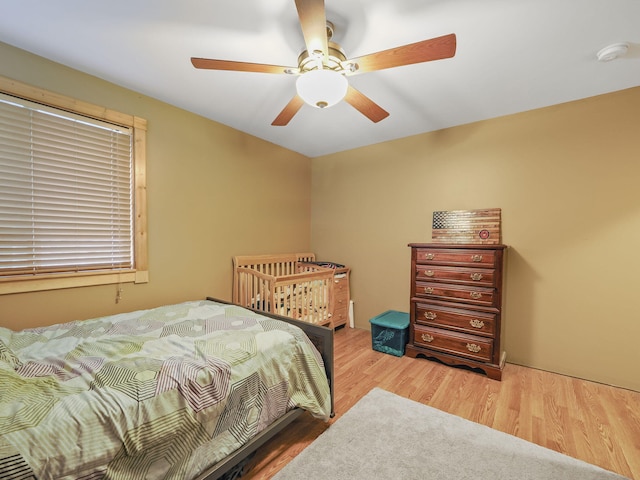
(211, 64)
(288, 112)
(365, 105)
(424, 51)
(313, 21)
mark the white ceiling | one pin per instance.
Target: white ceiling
(512, 56)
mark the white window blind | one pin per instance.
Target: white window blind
(66, 192)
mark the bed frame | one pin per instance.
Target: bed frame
(322, 338)
(284, 284)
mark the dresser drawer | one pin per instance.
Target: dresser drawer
(457, 293)
(477, 323)
(341, 292)
(456, 257)
(472, 276)
(340, 301)
(341, 284)
(469, 346)
(340, 316)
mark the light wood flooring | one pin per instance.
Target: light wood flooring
(596, 423)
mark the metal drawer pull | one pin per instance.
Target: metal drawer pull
(472, 347)
(430, 315)
(429, 273)
(475, 295)
(429, 256)
(428, 338)
(476, 258)
(476, 276)
(475, 323)
(428, 289)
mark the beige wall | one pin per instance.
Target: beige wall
(567, 180)
(213, 192)
(565, 177)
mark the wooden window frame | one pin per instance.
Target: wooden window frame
(140, 272)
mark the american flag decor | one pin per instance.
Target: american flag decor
(467, 226)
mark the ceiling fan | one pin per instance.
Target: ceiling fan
(323, 67)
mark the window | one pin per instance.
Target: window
(72, 192)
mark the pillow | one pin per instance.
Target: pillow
(6, 354)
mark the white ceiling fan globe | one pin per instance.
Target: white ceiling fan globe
(322, 88)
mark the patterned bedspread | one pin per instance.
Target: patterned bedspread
(160, 393)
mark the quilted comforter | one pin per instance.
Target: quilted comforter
(160, 393)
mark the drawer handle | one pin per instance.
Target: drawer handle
(476, 258)
(429, 256)
(428, 289)
(475, 323)
(430, 315)
(472, 347)
(429, 273)
(476, 276)
(475, 295)
(427, 338)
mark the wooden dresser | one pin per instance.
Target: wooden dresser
(456, 305)
(341, 297)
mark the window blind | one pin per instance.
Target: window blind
(66, 191)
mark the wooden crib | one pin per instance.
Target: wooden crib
(284, 284)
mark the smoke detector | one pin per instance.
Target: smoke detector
(612, 52)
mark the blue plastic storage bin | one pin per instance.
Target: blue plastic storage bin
(389, 332)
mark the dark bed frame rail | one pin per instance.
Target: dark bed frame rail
(322, 338)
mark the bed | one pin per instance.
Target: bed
(183, 391)
(286, 284)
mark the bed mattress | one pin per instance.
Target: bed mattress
(159, 393)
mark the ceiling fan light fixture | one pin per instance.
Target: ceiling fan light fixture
(322, 88)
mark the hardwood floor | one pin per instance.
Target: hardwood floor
(596, 423)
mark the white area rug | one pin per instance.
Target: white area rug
(391, 437)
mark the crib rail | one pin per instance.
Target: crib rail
(275, 265)
(305, 295)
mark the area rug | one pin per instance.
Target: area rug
(384, 436)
